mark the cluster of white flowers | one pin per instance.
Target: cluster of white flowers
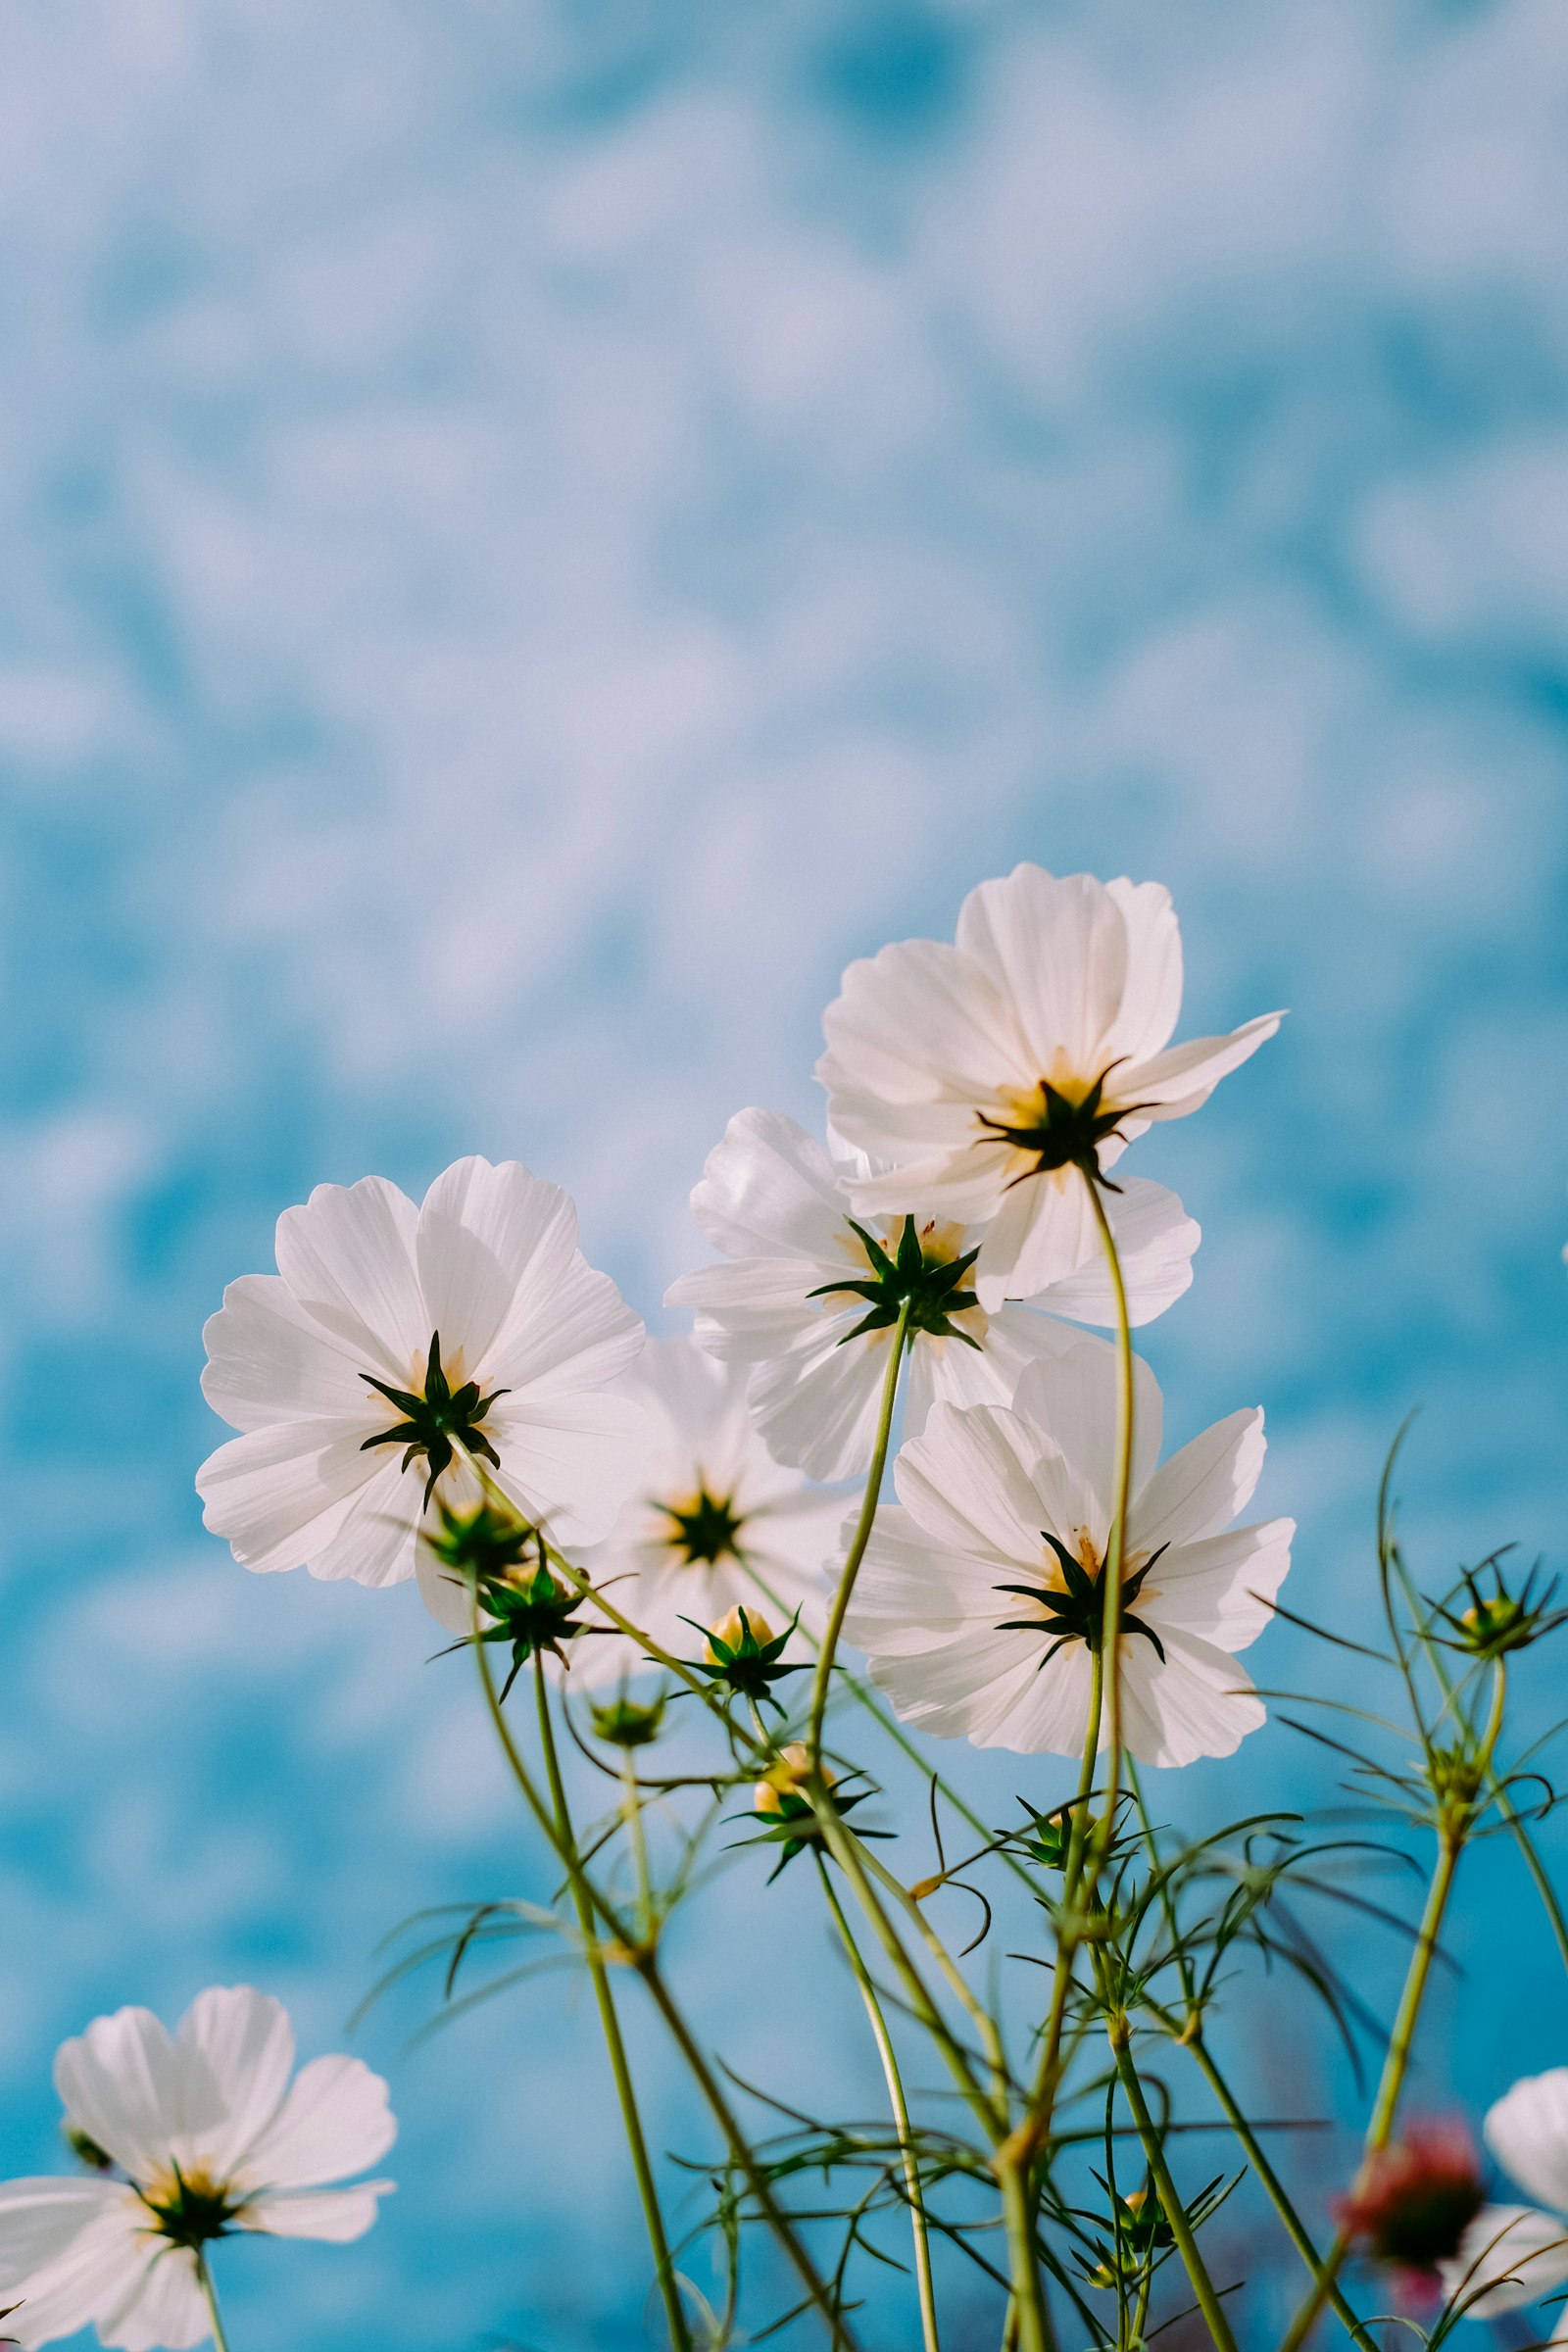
(416, 1381)
(402, 1358)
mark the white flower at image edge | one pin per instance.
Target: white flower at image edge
(395, 1342)
(714, 1524)
(977, 1072)
(782, 1212)
(971, 1625)
(212, 2136)
(1513, 2254)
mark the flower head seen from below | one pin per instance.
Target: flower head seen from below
(995, 1075)
(1511, 2255)
(808, 1293)
(979, 1604)
(192, 2135)
(714, 1524)
(402, 1358)
(1411, 2204)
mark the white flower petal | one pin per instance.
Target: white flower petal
(1043, 1232)
(916, 1038)
(348, 1257)
(1198, 1703)
(279, 1494)
(1156, 1239)
(767, 1190)
(65, 2247)
(569, 1459)
(268, 1360)
(1511, 2255)
(1201, 1490)
(1527, 2131)
(335, 2120)
(912, 1594)
(338, 2215)
(1173, 1084)
(1220, 1588)
(1070, 1399)
(165, 2309)
(1043, 1707)
(241, 2042)
(969, 1483)
(374, 1542)
(749, 1309)
(482, 1233)
(1057, 948)
(123, 2084)
(817, 1409)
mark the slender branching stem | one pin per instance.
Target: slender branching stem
(1116, 1544)
(645, 1961)
(1029, 2317)
(631, 1812)
(925, 2287)
(1295, 2227)
(609, 2023)
(1175, 2212)
(1455, 1818)
(861, 1537)
(204, 2280)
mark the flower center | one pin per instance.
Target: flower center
(1062, 1124)
(704, 1528)
(922, 1271)
(435, 1423)
(1075, 1609)
(189, 2209)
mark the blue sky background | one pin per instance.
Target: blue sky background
(529, 534)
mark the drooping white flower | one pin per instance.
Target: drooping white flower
(1514, 2254)
(715, 1523)
(211, 2137)
(979, 1597)
(989, 1073)
(393, 1344)
(781, 1301)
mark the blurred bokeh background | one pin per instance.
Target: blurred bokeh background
(529, 534)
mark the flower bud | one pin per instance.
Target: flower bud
(783, 1788)
(732, 1631)
(1413, 2201)
(625, 1723)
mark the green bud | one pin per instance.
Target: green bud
(623, 1722)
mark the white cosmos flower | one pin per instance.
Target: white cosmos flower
(391, 1341)
(1513, 2254)
(211, 2136)
(982, 1496)
(783, 1213)
(714, 1524)
(980, 1071)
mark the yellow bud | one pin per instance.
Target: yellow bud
(731, 1633)
(785, 1778)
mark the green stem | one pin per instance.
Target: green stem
(631, 1812)
(204, 2280)
(1394, 2067)
(1175, 2212)
(1295, 2227)
(740, 2155)
(1189, 2036)
(924, 2284)
(609, 2023)
(1028, 2317)
(861, 1537)
(1116, 1545)
(646, 1964)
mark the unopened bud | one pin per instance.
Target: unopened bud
(733, 1628)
